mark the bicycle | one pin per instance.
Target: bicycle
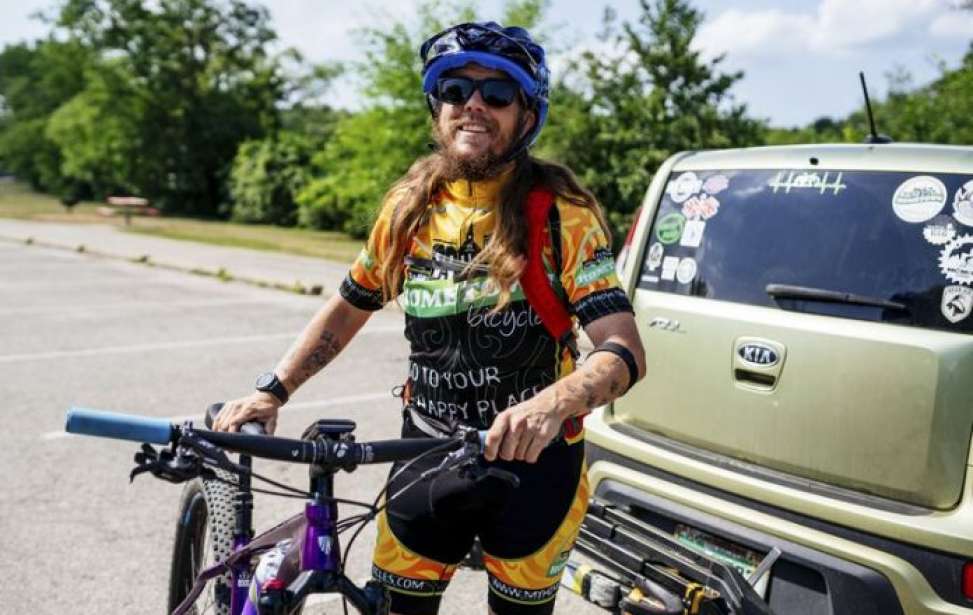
(312, 562)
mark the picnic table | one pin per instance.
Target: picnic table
(128, 205)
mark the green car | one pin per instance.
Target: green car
(806, 315)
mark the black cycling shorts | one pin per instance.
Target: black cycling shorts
(527, 533)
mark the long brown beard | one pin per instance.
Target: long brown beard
(483, 166)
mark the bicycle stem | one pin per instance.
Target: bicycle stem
(321, 550)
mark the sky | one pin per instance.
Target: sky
(800, 58)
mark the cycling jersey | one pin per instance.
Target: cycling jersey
(468, 363)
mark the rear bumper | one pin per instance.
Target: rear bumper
(826, 568)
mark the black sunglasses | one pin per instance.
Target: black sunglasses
(457, 90)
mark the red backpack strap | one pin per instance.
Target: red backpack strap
(534, 281)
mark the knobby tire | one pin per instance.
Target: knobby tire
(204, 536)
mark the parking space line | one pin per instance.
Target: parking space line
(120, 305)
(304, 405)
(93, 352)
(107, 350)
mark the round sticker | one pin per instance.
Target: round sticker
(686, 271)
(669, 228)
(655, 256)
(683, 187)
(963, 204)
(918, 199)
(956, 260)
(940, 231)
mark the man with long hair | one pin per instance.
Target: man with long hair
(450, 242)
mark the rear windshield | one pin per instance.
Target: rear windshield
(882, 246)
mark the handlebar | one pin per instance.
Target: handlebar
(343, 453)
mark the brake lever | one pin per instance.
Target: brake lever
(175, 468)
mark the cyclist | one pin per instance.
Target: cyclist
(451, 240)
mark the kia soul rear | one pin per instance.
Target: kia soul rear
(806, 313)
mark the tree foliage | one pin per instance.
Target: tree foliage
(647, 95)
(34, 81)
(266, 176)
(180, 101)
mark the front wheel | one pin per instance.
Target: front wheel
(204, 536)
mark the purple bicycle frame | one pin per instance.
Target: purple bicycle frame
(319, 551)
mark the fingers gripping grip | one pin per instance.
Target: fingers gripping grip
(119, 426)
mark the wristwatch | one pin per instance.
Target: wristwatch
(270, 383)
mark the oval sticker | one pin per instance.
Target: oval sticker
(758, 354)
(918, 199)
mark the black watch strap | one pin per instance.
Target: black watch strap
(270, 383)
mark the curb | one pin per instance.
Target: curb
(221, 273)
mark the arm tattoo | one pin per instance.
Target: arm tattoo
(323, 352)
(602, 385)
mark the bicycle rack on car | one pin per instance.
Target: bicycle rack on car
(651, 572)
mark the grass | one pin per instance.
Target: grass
(19, 201)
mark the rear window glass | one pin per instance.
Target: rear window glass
(882, 246)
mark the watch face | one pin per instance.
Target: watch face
(265, 380)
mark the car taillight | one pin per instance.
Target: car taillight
(968, 580)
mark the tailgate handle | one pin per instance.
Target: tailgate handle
(760, 379)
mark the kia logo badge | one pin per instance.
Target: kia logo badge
(758, 354)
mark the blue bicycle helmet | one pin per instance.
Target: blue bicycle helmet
(510, 50)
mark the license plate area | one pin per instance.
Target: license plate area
(744, 560)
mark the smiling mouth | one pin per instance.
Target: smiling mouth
(473, 128)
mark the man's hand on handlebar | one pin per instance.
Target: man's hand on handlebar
(258, 406)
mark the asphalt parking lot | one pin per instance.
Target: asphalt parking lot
(79, 330)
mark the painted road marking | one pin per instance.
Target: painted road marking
(121, 305)
(138, 348)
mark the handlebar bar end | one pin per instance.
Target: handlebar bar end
(85, 421)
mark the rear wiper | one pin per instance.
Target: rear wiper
(787, 291)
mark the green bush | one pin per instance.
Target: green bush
(266, 176)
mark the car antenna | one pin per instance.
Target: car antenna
(873, 136)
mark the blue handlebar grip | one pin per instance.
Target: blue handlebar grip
(120, 426)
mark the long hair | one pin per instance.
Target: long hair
(505, 253)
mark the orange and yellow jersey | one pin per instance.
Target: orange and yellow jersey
(466, 362)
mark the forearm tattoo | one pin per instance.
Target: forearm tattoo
(600, 384)
(323, 352)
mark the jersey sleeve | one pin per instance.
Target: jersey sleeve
(362, 287)
(588, 271)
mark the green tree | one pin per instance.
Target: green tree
(199, 82)
(372, 148)
(34, 81)
(266, 176)
(650, 95)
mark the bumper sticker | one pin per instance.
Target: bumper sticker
(701, 207)
(669, 266)
(669, 228)
(957, 303)
(940, 231)
(785, 181)
(683, 187)
(919, 199)
(686, 271)
(716, 184)
(655, 256)
(692, 234)
(956, 260)
(963, 204)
